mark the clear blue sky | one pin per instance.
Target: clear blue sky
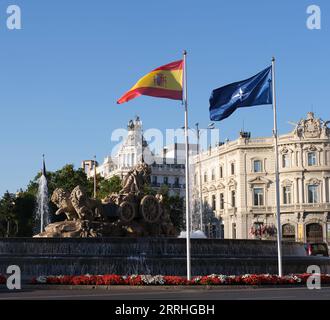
(63, 72)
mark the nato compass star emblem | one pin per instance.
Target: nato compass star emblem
(240, 95)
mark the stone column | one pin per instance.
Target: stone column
(302, 191)
(296, 191)
(300, 185)
(324, 186)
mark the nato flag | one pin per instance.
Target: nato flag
(247, 93)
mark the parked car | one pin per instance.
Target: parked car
(317, 249)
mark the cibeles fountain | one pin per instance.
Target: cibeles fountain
(132, 233)
(130, 213)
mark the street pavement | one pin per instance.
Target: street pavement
(154, 293)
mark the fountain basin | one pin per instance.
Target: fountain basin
(167, 256)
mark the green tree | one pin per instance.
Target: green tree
(105, 187)
(175, 204)
(66, 178)
(8, 216)
(24, 210)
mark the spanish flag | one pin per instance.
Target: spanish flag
(163, 82)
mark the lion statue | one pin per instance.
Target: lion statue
(61, 199)
(86, 208)
(77, 205)
(136, 179)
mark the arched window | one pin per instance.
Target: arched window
(313, 193)
(314, 232)
(233, 198)
(285, 160)
(213, 174)
(221, 172)
(205, 176)
(214, 203)
(232, 168)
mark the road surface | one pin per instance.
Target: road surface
(145, 293)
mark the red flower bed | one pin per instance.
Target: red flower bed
(175, 280)
(142, 280)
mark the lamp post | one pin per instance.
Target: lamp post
(210, 127)
(200, 178)
(95, 192)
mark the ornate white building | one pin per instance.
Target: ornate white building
(236, 183)
(168, 168)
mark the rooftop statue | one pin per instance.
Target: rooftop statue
(136, 179)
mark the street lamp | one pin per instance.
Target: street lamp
(210, 127)
(95, 190)
(200, 178)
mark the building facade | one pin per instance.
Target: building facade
(236, 183)
(168, 168)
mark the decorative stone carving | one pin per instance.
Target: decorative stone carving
(212, 188)
(312, 148)
(221, 186)
(259, 180)
(76, 205)
(311, 127)
(86, 208)
(62, 200)
(232, 184)
(287, 183)
(314, 181)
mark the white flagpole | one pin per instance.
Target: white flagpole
(42, 204)
(277, 177)
(185, 101)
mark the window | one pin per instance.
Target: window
(311, 158)
(257, 166)
(165, 180)
(195, 178)
(285, 160)
(205, 201)
(288, 232)
(205, 176)
(233, 231)
(258, 196)
(232, 168)
(222, 202)
(233, 198)
(313, 194)
(213, 174)
(213, 203)
(154, 180)
(221, 172)
(176, 181)
(287, 195)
